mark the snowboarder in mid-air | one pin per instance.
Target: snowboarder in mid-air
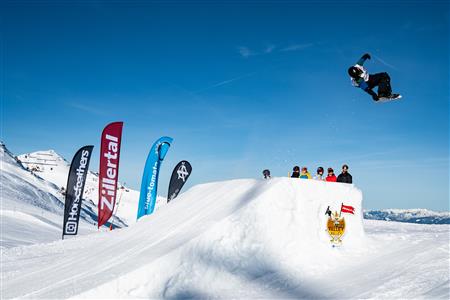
(362, 79)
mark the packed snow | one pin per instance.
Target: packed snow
(233, 239)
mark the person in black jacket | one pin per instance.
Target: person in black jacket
(345, 176)
(361, 78)
(295, 172)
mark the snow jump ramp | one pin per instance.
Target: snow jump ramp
(238, 238)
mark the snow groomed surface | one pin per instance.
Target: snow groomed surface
(255, 220)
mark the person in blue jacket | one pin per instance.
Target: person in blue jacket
(362, 79)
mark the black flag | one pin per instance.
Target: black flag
(75, 187)
(328, 212)
(180, 174)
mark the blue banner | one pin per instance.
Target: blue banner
(149, 185)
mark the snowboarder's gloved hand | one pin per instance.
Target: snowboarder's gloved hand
(366, 56)
(373, 94)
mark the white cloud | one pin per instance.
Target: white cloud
(385, 63)
(227, 81)
(86, 108)
(297, 47)
(269, 49)
(245, 51)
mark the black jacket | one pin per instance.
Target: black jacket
(345, 178)
(295, 174)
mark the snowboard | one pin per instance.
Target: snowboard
(390, 98)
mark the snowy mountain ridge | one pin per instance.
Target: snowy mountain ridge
(32, 201)
(54, 168)
(418, 216)
(31, 208)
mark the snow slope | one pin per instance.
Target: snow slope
(245, 223)
(275, 246)
(31, 209)
(54, 168)
(32, 203)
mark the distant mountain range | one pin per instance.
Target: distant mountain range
(419, 216)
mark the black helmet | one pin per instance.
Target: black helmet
(319, 170)
(266, 172)
(296, 169)
(354, 72)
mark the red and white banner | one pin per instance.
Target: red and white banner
(347, 209)
(109, 171)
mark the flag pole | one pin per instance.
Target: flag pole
(117, 208)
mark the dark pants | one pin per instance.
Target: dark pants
(383, 81)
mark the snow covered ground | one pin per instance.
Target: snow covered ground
(240, 239)
(234, 239)
(31, 208)
(55, 169)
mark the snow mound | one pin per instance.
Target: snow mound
(278, 227)
(239, 238)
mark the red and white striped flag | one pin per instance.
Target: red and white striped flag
(347, 209)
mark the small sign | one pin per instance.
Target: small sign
(335, 227)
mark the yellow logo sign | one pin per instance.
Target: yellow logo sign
(335, 227)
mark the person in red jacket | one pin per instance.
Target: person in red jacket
(331, 177)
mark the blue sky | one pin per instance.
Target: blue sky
(239, 86)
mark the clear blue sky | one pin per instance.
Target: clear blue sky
(240, 87)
